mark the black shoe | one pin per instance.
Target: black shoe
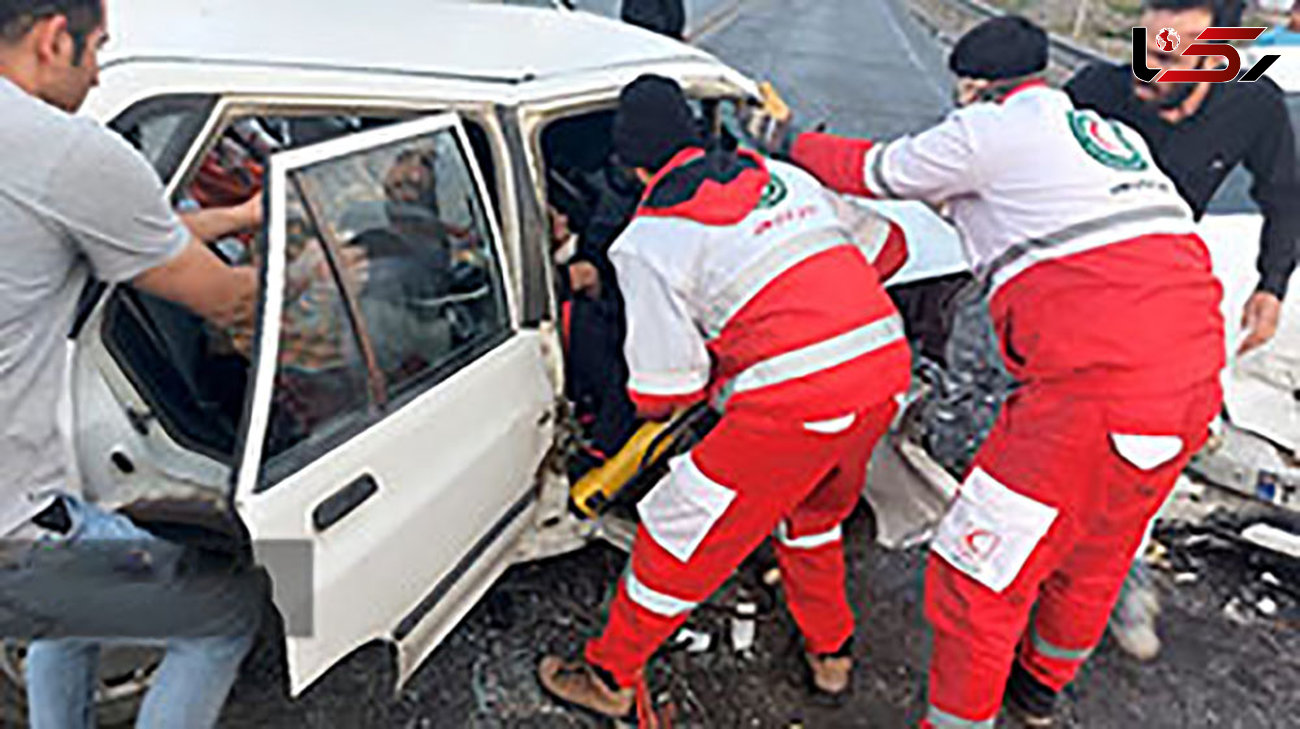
(1029, 701)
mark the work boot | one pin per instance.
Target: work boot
(585, 686)
(830, 675)
(1133, 621)
(1029, 701)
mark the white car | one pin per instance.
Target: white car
(1262, 388)
(391, 436)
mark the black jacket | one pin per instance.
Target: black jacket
(667, 17)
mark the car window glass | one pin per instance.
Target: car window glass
(163, 128)
(320, 391)
(432, 297)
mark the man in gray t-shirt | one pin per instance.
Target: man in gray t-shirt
(76, 202)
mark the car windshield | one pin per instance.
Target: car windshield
(1234, 195)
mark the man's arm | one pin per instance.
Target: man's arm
(934, 166)
(213, 224)
(201, 282)
(113, 207)
(880, 239)
(667, 360)
(1271, 160)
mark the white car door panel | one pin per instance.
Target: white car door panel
(395, 429)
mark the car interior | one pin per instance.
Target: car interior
(580, 171)
(195, 379)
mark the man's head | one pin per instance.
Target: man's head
(654, 122)
(410, 179)
(1293, 23)
(50, 48)
(996, 56)
(1188, 18)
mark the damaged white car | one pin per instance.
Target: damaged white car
(400, 422)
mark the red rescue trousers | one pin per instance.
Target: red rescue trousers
(1046, 525)
(753, 476)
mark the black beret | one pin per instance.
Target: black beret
(654, 122)
(1008, 46)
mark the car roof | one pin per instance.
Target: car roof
(471, 40)
(1286, 71)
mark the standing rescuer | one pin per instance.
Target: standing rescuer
(741, 284)
(1198, 133)
(1108, 314)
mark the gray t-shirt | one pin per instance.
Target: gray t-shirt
(74, 200)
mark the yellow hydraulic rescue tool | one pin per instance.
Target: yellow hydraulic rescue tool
(592, 492)
(645, 450)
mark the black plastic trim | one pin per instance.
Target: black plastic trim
(440, 591)
(343, 502)
(536, 305)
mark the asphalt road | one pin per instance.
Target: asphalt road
(865, 68)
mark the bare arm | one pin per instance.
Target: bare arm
(212, 224)
(201, 282)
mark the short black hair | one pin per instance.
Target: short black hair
(17, 17)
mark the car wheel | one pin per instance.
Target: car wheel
(124, 675)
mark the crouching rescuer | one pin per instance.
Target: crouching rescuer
(741, 285)
(1108, 314)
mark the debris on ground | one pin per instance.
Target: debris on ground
(693, 641)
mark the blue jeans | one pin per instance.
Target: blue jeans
(189, 687)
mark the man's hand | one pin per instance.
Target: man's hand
(312, 266)
(212, 224)
(1259, 320)
(250, 213)
(584, 278)
(769, 124)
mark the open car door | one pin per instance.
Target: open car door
(399, 413)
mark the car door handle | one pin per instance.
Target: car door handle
(343, 502)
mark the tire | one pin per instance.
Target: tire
(124, 676)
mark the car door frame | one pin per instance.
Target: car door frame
(455, 592)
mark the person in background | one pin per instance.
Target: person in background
(77, 201)
(1288, 34)
(666, 17)
(1198, 133)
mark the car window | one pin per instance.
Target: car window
(164, 128)
(432, 295)
(320, 393)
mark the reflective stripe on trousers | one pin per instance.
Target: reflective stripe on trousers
(808, 541)
(653, 600)
(939, 719)
(817, 357)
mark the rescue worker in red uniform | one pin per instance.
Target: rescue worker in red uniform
(741, 284)
(1108, 313)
